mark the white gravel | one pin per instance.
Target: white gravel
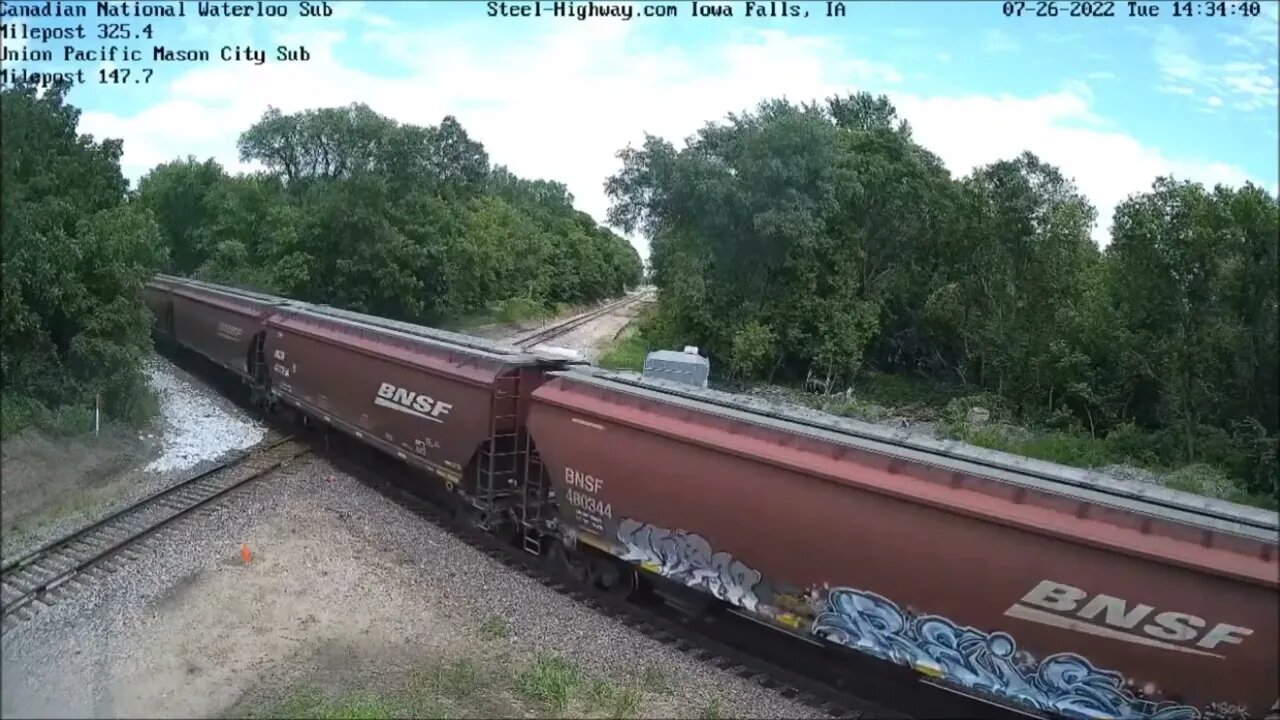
(344, 587)
(196, 428)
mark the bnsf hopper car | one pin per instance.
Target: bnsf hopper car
(458, 412)
(452, 405)
(1048, 588)
(1070, 598)
(223, 324)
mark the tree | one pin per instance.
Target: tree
(357, 210)
(178, 194)
(75, 258)
(818, 241)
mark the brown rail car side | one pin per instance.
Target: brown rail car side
(220, 326)
(443, 408)
(1054, 597)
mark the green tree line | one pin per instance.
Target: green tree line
(350, 209)
(821, 242)
(359, 211)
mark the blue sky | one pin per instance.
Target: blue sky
(1113, 101)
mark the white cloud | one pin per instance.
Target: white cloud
(1102, 75)
(971, 131)
(995, 41)
(1215, 101)
(561, 105)
(1245, 79)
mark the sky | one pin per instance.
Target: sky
(1112, 101)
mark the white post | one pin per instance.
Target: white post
(97, 405)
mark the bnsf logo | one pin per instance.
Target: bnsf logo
(1064, 606)
(411, 403)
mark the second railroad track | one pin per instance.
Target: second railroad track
(562, 327)
(26, 583)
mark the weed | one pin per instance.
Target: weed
(456, 679)
(655, 680)
(550, 679)
(495, 627)
(599, 693)
(625, 353)
(310, 703)
(624, 702)
(713, 710)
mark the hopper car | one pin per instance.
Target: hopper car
(1047, 589)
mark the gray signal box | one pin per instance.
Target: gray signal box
(686, 367)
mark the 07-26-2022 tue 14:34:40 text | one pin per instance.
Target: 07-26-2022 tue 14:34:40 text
(1131, 8)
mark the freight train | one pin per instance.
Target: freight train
(1055, 590)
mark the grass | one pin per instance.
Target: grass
(551, 680)
(713, 710)
(478, 686)
(627, 352)
(457, 679)
(509, 311)
(495, 627)
(18, 412)
(311, 703)
(655, 680)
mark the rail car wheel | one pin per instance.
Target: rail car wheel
(568, 562)
(613, 578)
(471, 516)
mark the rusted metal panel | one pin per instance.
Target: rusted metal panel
(428, 403)
(957, 573)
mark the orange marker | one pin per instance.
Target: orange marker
(245, 555)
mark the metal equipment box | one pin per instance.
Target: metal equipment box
(685, 367)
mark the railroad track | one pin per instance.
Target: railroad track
(557, 329)
(34, 581)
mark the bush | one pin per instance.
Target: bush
(515, 309)
(20, 413)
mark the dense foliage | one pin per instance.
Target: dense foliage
(356, 210)
(76, 253)
(821, 243)
(352, 209)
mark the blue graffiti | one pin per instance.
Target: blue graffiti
(1065, 683)
(689, 559)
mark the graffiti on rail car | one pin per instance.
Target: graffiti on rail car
(988, 662)
(688, 558)
(1064, 683)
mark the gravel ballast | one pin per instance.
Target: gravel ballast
(344, 586)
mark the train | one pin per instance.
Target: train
(1053, 590)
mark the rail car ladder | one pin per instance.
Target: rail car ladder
(499, 462)
(532, 499)
(257, 368)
